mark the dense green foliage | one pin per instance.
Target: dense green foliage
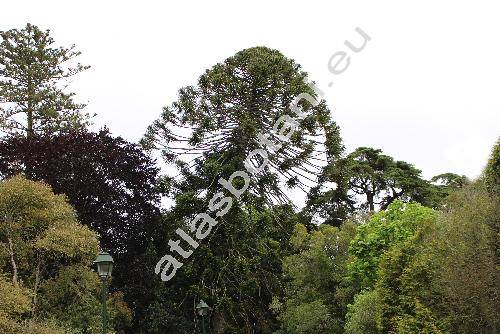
(409, 269)
(237, 272)
(445, 277)
(46, 253)
(217, 123)
(112, 186)
(364, 314)
(313, 300)
(384, 230)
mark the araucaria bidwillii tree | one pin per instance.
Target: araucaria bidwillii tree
(232, 110)
(208, 133)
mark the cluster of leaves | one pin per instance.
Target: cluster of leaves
(408, 269)
(112, 186)
(335, 269)
(445, 278)
(384, 230)
(237, 271)
(313, 299)
(47, 254)
(109, 182)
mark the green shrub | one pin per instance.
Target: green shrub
(384, 230)
(365, 314)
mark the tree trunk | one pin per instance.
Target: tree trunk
(369, 199)
(388, 201)
(29, 130)
(29, 111)
(37, 285)
(12, 261)
(29, 135)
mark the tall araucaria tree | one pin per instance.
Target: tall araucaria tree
(33, 76)
(212, 127)
(207, 134)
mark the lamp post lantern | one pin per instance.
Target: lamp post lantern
(104, 263)
(202, 309)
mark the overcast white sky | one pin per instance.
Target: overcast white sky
(425, 88)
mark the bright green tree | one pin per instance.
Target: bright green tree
(445, 278)
(384, 230)
(312, 302)
(43, 243)
(33, 75)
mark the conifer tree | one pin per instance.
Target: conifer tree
(33, 76)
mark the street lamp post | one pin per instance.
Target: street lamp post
(104, 263)
(202, 309)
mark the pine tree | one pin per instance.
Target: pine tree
(33, 76)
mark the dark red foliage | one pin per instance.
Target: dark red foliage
(109, 182)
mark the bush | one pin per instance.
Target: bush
(445, 278)
(365, 314)
(314, 275)
(383, 231)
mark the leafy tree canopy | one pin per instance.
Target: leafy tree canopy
(380, 178)
(444, 279)
(43, 242)
(111, 184)
(367, 180)
(384, 230)
(236, 271)
(313, 302)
